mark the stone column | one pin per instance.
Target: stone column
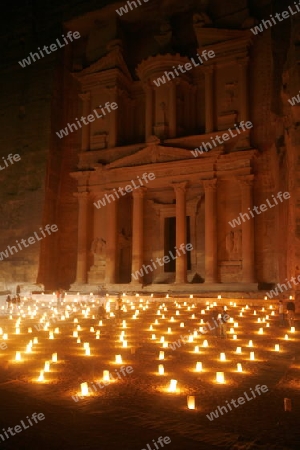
(111, 241)
(85, 131)
(83, 212)
(112, 118)
(246, 185)
(209, 99)
(137, 233)
(149, 112)
(243, 88)
(181, 261)
(211, 254)
(172, 110)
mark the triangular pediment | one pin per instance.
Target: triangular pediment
(152, 154)
(114, 59)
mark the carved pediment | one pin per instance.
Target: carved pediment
(152, 154)
(114, 59)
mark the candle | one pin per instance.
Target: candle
(199, 367)
(239, 350)
(118, 359)
(161, 355)
(105, 375)
(277, 348)
(41, 377)
(191, 402)
(239, 367)
(161, 369)
(88, 351)
(172, 387)
(252, 357)
(18, 356)
(54, 357)
(47, 366)
(220, 377)
(84, 389)
(222, 357)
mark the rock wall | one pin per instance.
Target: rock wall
(42, 98)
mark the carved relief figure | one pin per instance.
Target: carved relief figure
(230, 96)
(98, 247)
(234, 244)
(163, 114)
(201, 20)
(164, 38)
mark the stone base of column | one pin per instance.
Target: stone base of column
(77, 286)
(136, 283)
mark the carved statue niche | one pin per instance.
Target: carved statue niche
(164, 37)
(98, 249)
(230, 95)
(201, 20)
(161, 126)
(234, 245)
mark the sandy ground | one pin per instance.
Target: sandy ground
(137, 408)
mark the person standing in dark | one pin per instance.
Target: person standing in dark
(119, 307)
(223, 323)
(18, 302)
(8, 301)
(58, 294)
(281, 313)
(290, 308)
(101, 312)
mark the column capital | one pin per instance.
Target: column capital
(82, 195)
(174, 82)
(210, 185)
(139, 192)
(85, 97)
(180, 187)
(147, 86)
(208, 69)
(246, 181)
